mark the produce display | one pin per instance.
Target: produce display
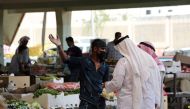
(40, 92)
(76, 91)
(19, 104)
(48, 77)
(108, 96)
(70, 86)
(67, 86)
(55, 86)
(35, 105)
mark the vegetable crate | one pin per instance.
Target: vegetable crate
(46, 100)
(71, 101)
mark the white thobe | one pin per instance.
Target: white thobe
(122, 85)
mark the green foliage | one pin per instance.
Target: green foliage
(76, 91)
(49, 77)
(17, 104)
(100, 18)
(35, 105)
(40, 92)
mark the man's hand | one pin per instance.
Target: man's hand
(57, 41)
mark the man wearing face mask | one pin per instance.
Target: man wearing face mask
(93, 72)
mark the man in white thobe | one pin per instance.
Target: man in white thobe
(135, 79)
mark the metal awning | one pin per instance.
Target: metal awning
(87, 4)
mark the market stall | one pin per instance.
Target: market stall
(49, 96)
(177, 83)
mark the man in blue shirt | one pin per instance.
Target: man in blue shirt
(93, 72)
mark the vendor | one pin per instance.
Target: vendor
(20, 61)
(150, 49)
(93, 72)
(75, 51)
(135, 78)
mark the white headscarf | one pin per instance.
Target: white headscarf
(140, 62)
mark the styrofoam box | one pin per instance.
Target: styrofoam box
(71, 101)
(165, 102)
(172, 66)
(46, 100)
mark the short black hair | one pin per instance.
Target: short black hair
(98, 43)
(117, 33)
(70, 39)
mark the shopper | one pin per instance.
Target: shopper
(20, 61)
(150, 49)
(76, 52)
(112, 53)
(73, 50)
(93, 73)
(134, 78)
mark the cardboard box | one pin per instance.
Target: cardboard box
(19, 81)
(46, 100)
(4, 80)
(183, 59)
(71, 101)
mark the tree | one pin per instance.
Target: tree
(100, 18)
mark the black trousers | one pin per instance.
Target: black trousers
(86, 105)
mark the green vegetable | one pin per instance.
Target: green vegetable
(76, 91)
(46, 78)
(40, 92)
(49, 77)
(35, 105)
(18, 104)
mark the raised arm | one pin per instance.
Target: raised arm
(57, 42)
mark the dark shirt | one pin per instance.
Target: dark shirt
(74, 51)
(90, 79)
(74, 67)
